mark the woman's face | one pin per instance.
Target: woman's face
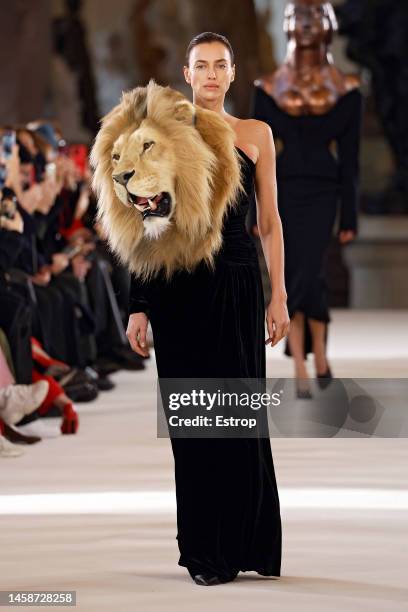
(209, 71)
(309, 23)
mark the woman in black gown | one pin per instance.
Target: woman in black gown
(313, 182)
(212, 324)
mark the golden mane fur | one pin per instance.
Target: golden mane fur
(196, 162)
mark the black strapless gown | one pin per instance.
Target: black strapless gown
(211, 324)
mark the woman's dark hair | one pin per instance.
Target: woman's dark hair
(208, 37)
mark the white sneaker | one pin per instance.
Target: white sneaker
(16, 401)
(8, 449)
(39, 428)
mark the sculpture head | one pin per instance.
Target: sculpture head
(310, 23)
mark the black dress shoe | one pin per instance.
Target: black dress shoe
(323, 380)
(105, 384)
(266, 572)
(303, 394)
(104, 367)
(82, 392)
(212, 579)
(206, 579)
(127, 359)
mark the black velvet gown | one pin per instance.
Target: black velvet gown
(211, 324)
(312, 183)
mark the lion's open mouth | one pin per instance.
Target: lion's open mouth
(155, 206)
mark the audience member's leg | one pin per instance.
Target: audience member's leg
(15, 320)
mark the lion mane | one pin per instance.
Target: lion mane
(193, 159)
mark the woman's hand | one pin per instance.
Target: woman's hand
(277, 320)
(15, 224)
(60, 262)
(42, 278)
(81, 234)
(82, 204)
(346, 236)
(31, 199)
(136, 333)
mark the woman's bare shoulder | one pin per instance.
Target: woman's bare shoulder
(252, 135)
(255, 128)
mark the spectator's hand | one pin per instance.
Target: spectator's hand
(30, 199)
(60, 163)
(13, 169)
(51, 188)
(346, 236)
(13, 225)
(67, 173)
(60, 262)
(82, 234)
(136, 333)
(82, 203)
(80, 267)
(83, 238)
(87, 176)
(49, 191)
(42, 278)
(87, 247)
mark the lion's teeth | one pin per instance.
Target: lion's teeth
(150, 202)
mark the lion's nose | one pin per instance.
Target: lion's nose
(123, 177)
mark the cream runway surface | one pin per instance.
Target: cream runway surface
(95, 513)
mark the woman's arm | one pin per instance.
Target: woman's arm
(138, 316)
(270, 232)
(348, 143)
(138, 296)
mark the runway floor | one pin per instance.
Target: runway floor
(95, 513)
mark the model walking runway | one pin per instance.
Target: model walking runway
(175, 180)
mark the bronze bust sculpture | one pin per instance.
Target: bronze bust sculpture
(308, 82)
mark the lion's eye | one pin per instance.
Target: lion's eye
(147, 145)
(115, 156)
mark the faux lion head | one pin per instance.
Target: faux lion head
(165, 172)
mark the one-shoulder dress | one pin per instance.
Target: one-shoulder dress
(211, 324)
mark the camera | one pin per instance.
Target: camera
(8, 142)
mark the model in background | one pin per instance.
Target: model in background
(315, 112)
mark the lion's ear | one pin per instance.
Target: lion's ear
(184, 112)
